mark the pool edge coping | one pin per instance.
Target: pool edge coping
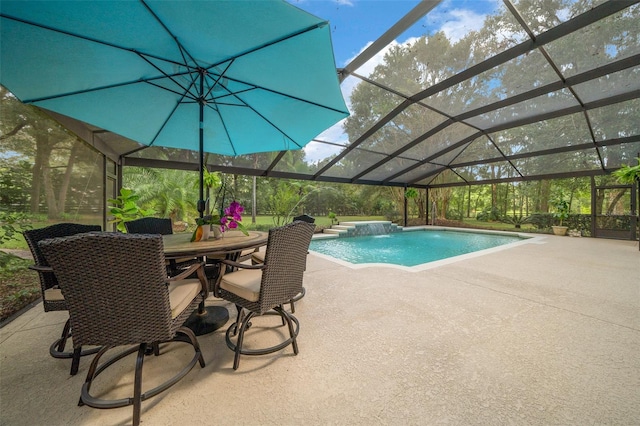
(526, 239)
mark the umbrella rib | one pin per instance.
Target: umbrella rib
(261, 116)
(166, 121)
(95, 89)
(81, 37)
(254, 86)
(276, 41)
(222, 74)
(226, 131)
(185, 94)
(182, 49)
(170, 76)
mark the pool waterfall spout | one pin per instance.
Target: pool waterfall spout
(376, 229)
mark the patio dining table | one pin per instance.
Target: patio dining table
(209, 318)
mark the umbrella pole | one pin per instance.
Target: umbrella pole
(201, 102)
(208, 318)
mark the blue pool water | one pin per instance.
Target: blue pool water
(408, 248)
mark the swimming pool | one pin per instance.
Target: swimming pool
(411, 249)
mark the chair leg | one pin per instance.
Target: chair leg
(194, 342)
(243, 327)
(92, 372)
(138, 396)
(57, 348)
(292, 333)
(296, 298)
(137, 385)
(65, 335)
(75, 361)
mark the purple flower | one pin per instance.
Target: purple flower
(232, 217)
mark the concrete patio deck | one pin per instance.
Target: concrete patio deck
(544, 333)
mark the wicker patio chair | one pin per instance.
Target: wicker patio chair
(257, 257)
(162, 226)
(118, 293)
(52, 298)
(149, 225)
(263, 289)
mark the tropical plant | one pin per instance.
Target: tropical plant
(562, 210)
(333, 217)
(126, 209)
(517, 220)
(11, 225)
(628, 174)
(411, 193)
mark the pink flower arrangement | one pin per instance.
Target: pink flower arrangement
(232, 217)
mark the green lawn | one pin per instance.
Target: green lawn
(497, 225)
(267, 221)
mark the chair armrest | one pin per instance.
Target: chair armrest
(41, 268)
(241, 265)
(190, 270)
(196, 267)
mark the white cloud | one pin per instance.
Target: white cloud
(460, 22)
(334, 134)
(315, 151)
(455, 23)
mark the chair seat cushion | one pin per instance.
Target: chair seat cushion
(244, 283)
(182, 260)
(181, 294)
(258, 257)
(53, 295)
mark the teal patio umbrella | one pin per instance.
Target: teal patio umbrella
(224, 77)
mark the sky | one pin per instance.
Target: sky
(355, 24)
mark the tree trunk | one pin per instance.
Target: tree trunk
(64, 186)
(43, 153)
(50, 197)
(545, 191)
(253, 200)
(506, 200)
(599, 200)
(421, 205)
(612, 205)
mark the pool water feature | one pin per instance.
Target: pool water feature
(411, 248)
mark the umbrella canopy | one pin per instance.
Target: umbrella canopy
(227, 77)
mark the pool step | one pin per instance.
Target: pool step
(350, 228)
(335, 231)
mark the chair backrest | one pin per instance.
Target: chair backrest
(149, 225)
(305, 218)
(114, 285)
(33, 236)
(285, 262)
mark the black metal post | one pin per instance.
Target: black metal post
(406, 204)
(201, 102)
(208, 318)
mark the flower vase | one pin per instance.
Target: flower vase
(205, 232)
(217, 233)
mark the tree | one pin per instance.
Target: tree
(54, 157)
